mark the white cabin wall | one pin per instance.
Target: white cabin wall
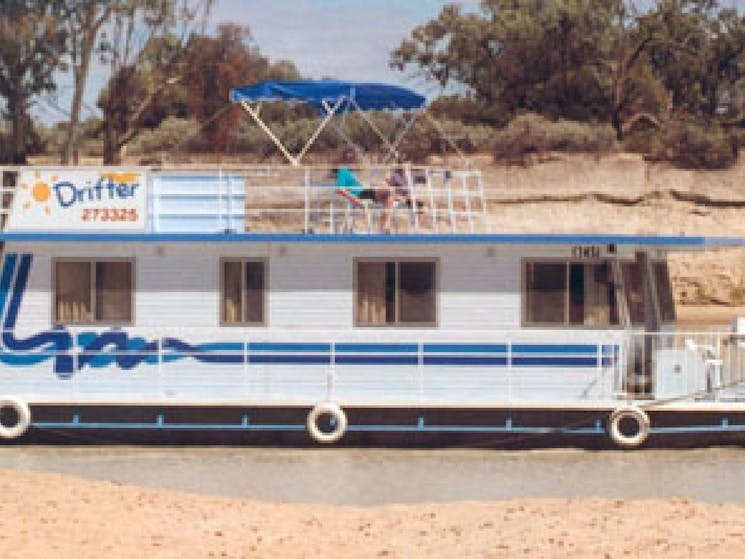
(310, 284)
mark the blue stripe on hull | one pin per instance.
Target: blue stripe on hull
(376, 360)
(461, 360)
(290, 359)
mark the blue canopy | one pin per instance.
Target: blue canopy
(353, 95)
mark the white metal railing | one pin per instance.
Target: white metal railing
(453, 368)
(282, 198)
(307, 199)
(685, 365)
(459, 368)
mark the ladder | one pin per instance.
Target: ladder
(7, 194)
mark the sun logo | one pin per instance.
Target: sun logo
(40, 191)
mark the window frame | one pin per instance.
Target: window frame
(92, 261)
(566, 325)
(396, 260)
(264, 291)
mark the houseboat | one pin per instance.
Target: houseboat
(256, 299)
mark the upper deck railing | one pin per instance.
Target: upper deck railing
(199, 199)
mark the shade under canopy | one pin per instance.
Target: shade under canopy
(353, 95)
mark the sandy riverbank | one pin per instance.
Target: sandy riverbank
(49, 515)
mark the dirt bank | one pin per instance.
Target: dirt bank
(45, 515)
(622, 193)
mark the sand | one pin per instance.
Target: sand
(49, 515)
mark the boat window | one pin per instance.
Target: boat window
(242, 297)
(546, 288)
(569, 293)
(88, 292)
(393, 293)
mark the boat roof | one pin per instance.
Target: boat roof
(360, 95)
(681, 242)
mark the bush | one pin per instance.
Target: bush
(173, 134)
(688, 145)
(532, 133)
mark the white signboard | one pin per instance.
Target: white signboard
(65, 199)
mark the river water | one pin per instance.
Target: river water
(374, 476)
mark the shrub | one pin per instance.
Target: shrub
(688, 145)
(173, 134)
(532, 133)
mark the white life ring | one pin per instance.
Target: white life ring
(339, 423)
(23, 418)
(628, 414)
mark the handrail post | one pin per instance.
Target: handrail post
(331, 378)
(509, 370)
(306, 227)
(159, 349)
(246, 390)
(420, 369)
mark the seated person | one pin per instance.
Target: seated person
(401, 188)
(350, 188)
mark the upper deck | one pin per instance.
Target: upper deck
(266, 203)
(249, 199)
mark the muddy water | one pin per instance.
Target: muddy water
(368, 477)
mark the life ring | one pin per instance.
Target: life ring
(22, 418)
(629, 414)
(338, 423)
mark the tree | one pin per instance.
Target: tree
(32, 43)
(527, 55)
(707, 75)
(581, 59)
(218, 63)
(84, 20)
(146, 56)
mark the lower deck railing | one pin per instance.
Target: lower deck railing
(477, 368)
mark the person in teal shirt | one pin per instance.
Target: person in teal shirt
(349, 187)
(347, 180)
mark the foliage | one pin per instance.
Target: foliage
(467, 109)
(531, 133)
(32, 42)
(173, 134)
(146, 55)
(694, 144)
(215, 65)
(588, 60)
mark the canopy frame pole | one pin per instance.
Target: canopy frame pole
(401, 135)
(447, 138)
(344, 136)
(330, 112)
(268, 131)
(386, 141)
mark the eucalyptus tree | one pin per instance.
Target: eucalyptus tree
(32, 47)
(145, 54)
(579, 59)
(84, 21)
(707, 75)
(216, 63)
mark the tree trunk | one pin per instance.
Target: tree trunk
(19, 130)
(80, 72)
(69, 152)
(112, 153)
(617, 125)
